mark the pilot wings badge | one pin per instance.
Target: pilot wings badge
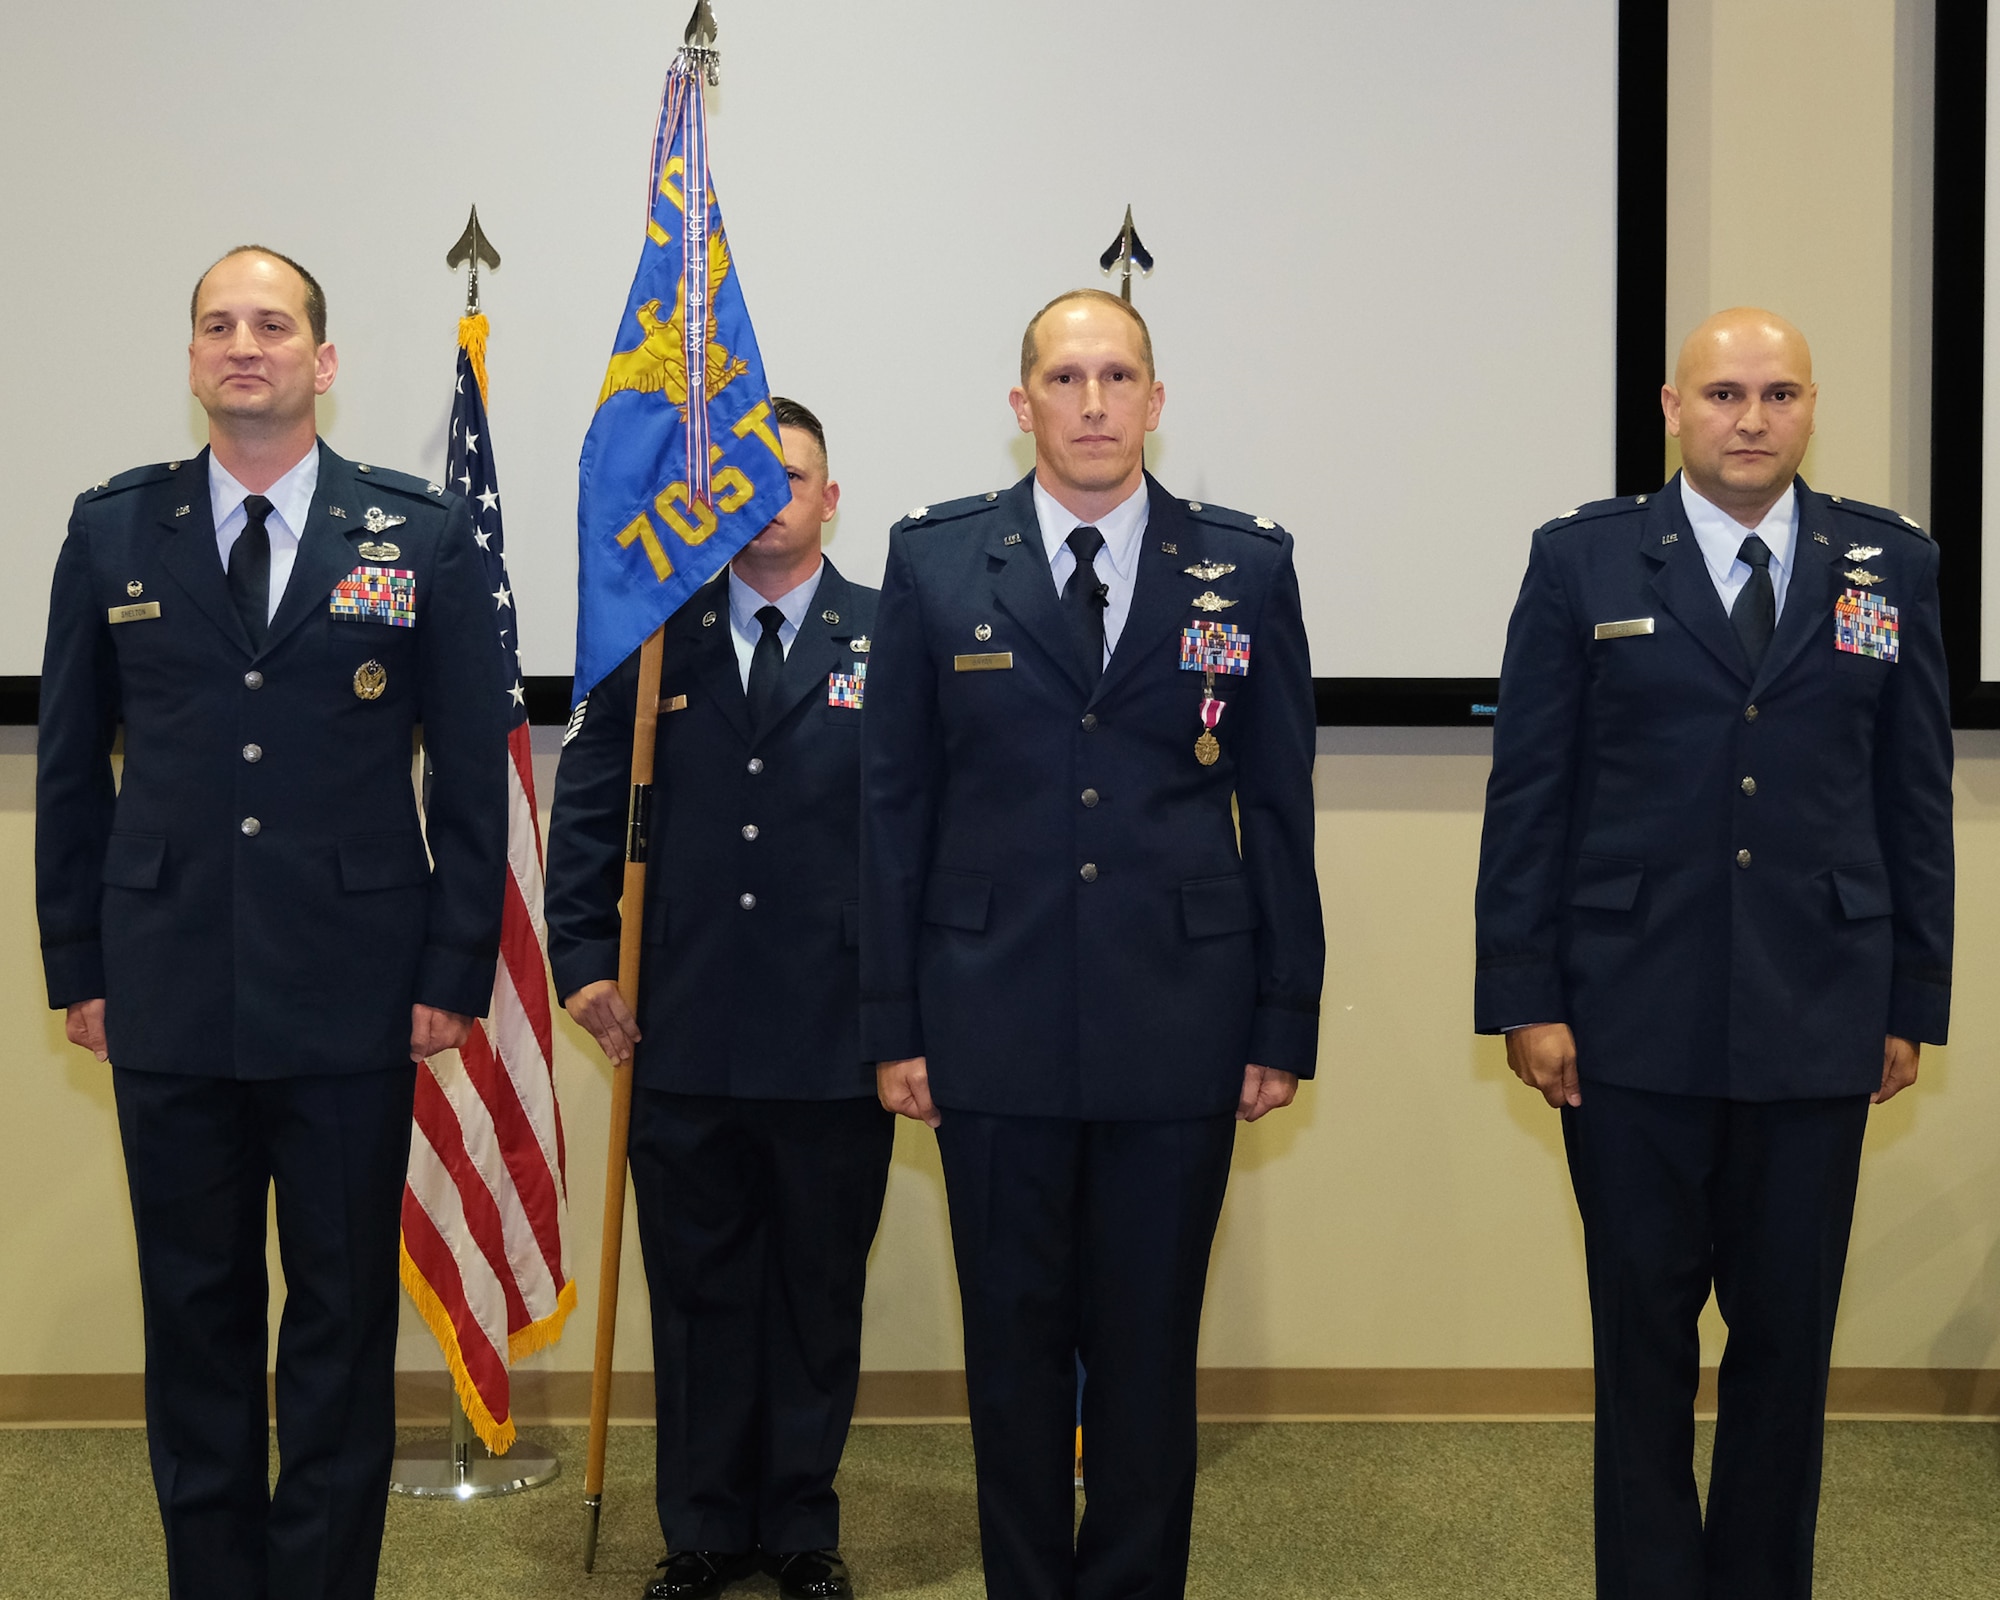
(376, 520)
(1863, 552)
(1209, 571)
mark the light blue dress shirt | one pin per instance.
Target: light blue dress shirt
(1117, 563)
(744, 628)
(291, 500)
(1720, 536)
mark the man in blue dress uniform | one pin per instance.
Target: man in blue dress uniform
(1715, 922)
(1091, 933)
(759, 1152)
(249, 927)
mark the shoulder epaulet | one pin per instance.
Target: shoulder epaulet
(1223, 517)
(1895, 519)
(1592, 510)
(400, 482)
(137, 478)
(948, 511)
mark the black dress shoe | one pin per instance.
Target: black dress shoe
(810, 1575)
(697, 1574)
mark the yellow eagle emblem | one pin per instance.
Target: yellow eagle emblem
(659, 365)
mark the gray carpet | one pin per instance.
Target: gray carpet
(1390, 1511)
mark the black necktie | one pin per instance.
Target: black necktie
(250, 571)
(1084, 600)
(766, 662)
(1755, 613)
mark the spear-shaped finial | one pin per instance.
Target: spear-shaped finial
(1127, 249)
(698, 43)
(473, 247)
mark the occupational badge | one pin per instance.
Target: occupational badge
(370, 679)
(1209, 600)
(376, 594)
(1863, 552)
(983, 632)
(372, 550)
(1209, 571)
(843, 689)
(861, 644)
(1860, 575)
(376, 520)
(1865, 624)
(135, 588)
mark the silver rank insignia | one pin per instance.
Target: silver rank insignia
(1209, 571)
(1860, 575)
(370, 550)
(1209, 600)
(1863, 552)
(376, 520)
(861, 644)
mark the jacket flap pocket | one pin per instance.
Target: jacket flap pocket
(1606, 883)
(1863, 890)
(957, 900)
(134, 860)
(1214, 906)
(850, 924)
(382, 861)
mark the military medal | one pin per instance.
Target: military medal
(370, 679)
(1207, 748)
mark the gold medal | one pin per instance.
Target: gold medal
(1207, 748)
(370, 679)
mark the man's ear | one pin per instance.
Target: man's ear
(1017, 397)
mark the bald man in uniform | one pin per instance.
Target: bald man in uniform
(1715, 924)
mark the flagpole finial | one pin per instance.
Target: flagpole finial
(473, 247)
(1126, 251)
(698, 44)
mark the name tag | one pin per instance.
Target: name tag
(673, 702)
(995, 661)
(1626, 629)
(138, 613)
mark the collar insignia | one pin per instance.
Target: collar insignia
(337, 511)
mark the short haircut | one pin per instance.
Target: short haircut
(791, 414)
(315, 295)
(1029, 354)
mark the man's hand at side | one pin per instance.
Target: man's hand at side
(1899, 1067)
(83, 1025)
(433, 1031)
(1543, 1056)
(600, 1010)
(905, 1088)
(1264, 1089)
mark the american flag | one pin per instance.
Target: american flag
(485, 1207)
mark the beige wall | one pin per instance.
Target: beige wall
(1413, 1209)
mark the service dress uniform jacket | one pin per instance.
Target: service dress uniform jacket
(256, 903)
(254, 898)
(759, 1151)
(753, 891)
(1731, 882)
(1089, 932)
(1056, 908)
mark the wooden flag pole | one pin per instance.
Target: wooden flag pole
(632, 919)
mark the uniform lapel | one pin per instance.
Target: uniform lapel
(1682, 581)
(816, 648)
(188, 552)
(1022, 586)
(1809, 592)
(720, 676)
(1158, 604)
(324, 556)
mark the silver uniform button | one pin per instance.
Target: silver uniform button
(253, 752)
(756, 766)
(251, 827)
(1749, 786)
(1090, 797)
(253, 680)
(1088, 872)
(749, 830)
(1743, 858)
(747, 901)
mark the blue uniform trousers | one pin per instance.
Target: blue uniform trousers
(1083, 1238)
(1678, 1193)
(201, 1156)
(755, 1220)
